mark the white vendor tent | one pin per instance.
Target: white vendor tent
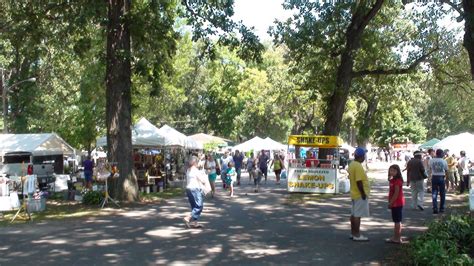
(457, 143)
(273, 145)
(205, 139)
(348, 147)
(174, 138)
(38, 144)
(144, 134)
(256, 144)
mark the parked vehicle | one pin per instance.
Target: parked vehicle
(24, 163)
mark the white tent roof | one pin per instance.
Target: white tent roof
(274, 145)
(144, 134)
(205, 138)
(257, 144)
(457, 143)
(38, 144)
(348, 147)
(175, 138)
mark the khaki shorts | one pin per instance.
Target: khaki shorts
(360, 208)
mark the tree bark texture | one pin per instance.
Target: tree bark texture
(118, 102)
(366, 128)
(337, 102)
(468, 6)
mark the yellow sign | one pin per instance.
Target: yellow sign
(315, 141)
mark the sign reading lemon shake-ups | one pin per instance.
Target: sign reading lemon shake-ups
(312, 173)
(313, 180)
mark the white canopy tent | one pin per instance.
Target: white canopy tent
(457, 143)
(144, 134)
(175, 138)
(348, 147)
(38, 144)
(255, 144)
(205, 139)
(274, 145)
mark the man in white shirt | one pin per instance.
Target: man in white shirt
(464, 168)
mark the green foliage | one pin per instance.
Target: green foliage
(447, 242)
(92, 198)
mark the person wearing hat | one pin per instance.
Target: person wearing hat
(360, 190)
(416, 176)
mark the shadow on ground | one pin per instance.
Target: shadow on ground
(250, 229)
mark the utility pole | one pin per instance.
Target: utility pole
(4, 100)
(5, 90)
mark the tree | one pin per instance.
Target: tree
(344, 32)
(119, 98)
(465, 9)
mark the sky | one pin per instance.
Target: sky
(260, 13)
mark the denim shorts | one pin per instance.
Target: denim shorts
(397, 214)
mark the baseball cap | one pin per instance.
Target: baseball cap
(417, 153)
(359, 152)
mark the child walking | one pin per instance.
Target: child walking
(396, 201)
(230, 178)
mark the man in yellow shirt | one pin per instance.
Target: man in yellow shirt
(360, 190)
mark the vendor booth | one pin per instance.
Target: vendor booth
(310, 173)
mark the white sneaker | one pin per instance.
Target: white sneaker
(360, 238)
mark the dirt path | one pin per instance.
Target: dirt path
(270, 227)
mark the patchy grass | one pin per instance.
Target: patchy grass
(159, 196)
(55, 210)
(59, 209)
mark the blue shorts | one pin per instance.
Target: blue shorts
(88, 176)
(397, 214)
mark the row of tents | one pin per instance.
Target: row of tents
(455, 144)
(145, 134)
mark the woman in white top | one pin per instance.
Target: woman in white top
(210, 166)
(197, 187)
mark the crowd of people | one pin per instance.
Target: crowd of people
(204, 170)
(442, 171)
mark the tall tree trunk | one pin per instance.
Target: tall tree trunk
(118, 105)
(366, 128)
(468, 6)
(337, 102)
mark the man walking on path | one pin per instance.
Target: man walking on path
(426, 162)
(439, 170)
(360, 191)
(238, 161)
(415, 180)
(263, 164)
(464, 167)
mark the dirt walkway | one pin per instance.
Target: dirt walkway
(270, 227)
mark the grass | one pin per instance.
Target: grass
(159, 196)
(59, 209)
(55, 210)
